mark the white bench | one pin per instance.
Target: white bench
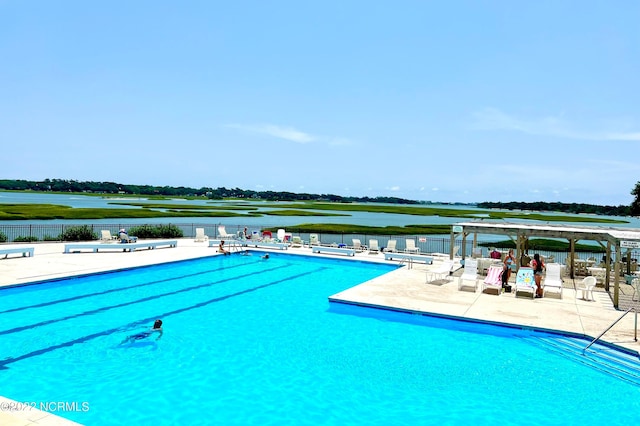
(264, 244)
(339, 250)
(25, 251)
(95, 247)
(228, 243)
(428, 260)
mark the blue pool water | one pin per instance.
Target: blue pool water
(253, 341)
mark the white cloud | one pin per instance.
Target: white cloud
(494, 119)
(395, 188)
(289, 133)
(280, 132)
(622, 136)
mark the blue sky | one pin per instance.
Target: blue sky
(459, 101)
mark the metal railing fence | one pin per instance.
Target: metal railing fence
(427, 244)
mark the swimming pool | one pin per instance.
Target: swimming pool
(253, 341)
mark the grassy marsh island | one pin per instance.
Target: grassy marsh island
(242, 209)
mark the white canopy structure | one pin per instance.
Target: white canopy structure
(613, 240)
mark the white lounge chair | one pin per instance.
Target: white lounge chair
(357, 245)
(200, 235)
(410, 246)
(254, 236)
(525, 282)
(280, 234)
(552, 278)
(441, 272)
(586, 286)
(470, 274)
(106, 237)
(391, 247)
(314, 240)
(494, 279)
(373, 247)
(222, 233)
(125, 238)
(296, 241)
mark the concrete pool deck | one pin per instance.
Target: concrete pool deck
(402, 289)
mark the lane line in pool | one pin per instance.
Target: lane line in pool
(114, 290)
(133, 302)
(138, 323)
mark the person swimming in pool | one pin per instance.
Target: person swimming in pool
(157, 328)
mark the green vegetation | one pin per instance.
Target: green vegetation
(78, 233)
(299, 213)
(546, 244)
(52, 211)
(561, 207)
(185, 206)
(635, 204)
(123, 190)
(156, 231)
(442, 212)
(333, 228)
(113, 189)
(21, 239)
(3, 237)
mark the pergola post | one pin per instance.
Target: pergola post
(607, 266)
(453, 241)
(616, 274)
(464, 245)
(572, 257)
(475, 243)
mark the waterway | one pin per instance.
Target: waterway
(359, 218)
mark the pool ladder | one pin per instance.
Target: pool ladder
(635, 328)
(409, 262)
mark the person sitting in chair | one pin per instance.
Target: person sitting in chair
(125, 238)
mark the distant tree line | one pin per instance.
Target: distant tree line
(560, 207)
(63, 185)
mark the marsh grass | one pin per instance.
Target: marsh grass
(546, 244)
(53, 211)
(300, 213)
(184, 206)
(333, 228)
(442, 212)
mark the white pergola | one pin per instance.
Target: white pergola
(613, 240)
